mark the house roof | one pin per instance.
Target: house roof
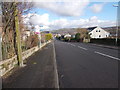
(46, 31)
(91, 28)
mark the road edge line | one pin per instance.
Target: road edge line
(55, 66)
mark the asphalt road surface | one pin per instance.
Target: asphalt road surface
(83, 65)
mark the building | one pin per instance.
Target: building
(58, 35)
(26, 34)
(97, 32)
(67, 36)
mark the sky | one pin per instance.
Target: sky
(57, 15)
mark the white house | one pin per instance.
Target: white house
(58, 35)
(97, 32)
(67, 35)
(26, 34)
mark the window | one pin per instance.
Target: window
(96, 31)
(99, 30)
(99, 35)
(90, 33)
(106, 35)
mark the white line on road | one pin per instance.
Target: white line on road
(62, 42)
(82, 48)
(72, 45)
(107, 55)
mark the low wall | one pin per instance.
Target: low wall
(7, 65)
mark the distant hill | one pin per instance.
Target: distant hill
(65, 31)
(112, 30)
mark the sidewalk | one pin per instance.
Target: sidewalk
(39, 71)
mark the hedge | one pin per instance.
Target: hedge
(106, 41)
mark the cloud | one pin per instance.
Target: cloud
(64, 8)
(65, 23)
(36, 20)
(81, 23)
(40, 19)
(93, 19)
(97, 7)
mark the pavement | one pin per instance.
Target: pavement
(39, 71)
(83, 65)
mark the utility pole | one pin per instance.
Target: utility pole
(40, 36)
(18, 38)
(40, 39)
(37, 27)
(116, 39)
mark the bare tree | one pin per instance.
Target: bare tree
(9, 31)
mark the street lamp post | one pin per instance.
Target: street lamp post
(38, 32)
(0, 46)
(116, 39)
(40, 37)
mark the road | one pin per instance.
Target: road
(83, 65)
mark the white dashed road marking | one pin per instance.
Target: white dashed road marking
(72, 45)
(107, 55)
(82, 48)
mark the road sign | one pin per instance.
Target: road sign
(41, 29)
(41, 25)
(37, 32)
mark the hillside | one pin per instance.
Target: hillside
(112, 30)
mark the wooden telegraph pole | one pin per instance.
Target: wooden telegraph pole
(18, 37)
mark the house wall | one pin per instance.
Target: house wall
(26, 34)
(67, 35)
(99, 33)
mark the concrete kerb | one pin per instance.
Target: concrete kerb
(55, 66)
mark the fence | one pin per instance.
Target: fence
(7, 65)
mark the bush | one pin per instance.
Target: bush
(48, 36)
(72, 40)
(77, 37)
(31, 41)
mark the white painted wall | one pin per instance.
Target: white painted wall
(67, 35)
(99, 33)
(26, 34)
